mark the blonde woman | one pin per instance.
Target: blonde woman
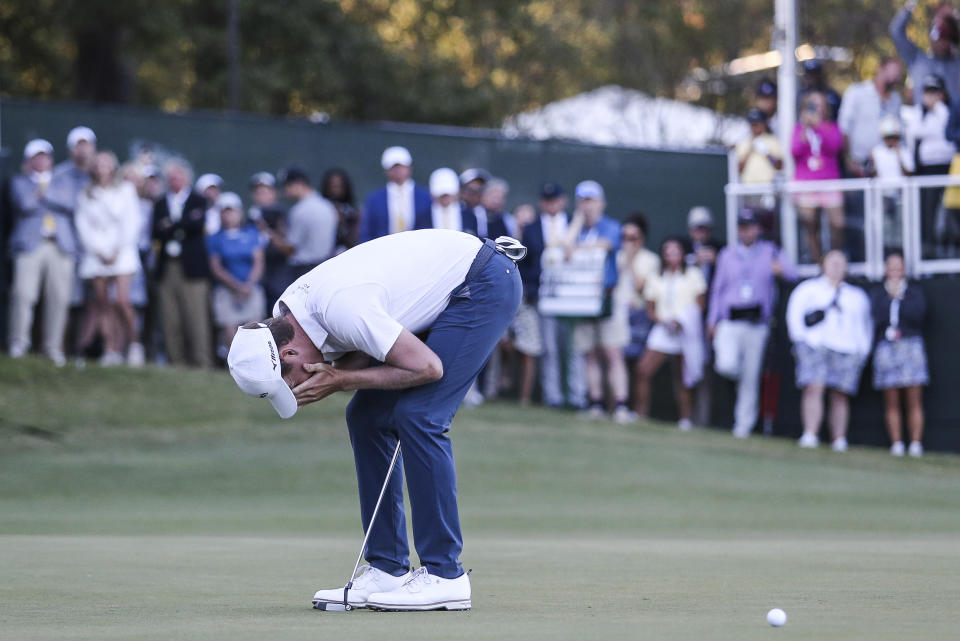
(108, 224)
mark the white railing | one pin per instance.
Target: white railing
(873, 190)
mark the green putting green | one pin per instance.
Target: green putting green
(161, 504)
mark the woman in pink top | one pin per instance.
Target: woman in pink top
(817, 143)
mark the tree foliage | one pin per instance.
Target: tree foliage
(442, 61)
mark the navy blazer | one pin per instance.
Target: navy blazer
(531, 236)
(375, 221)
(188, 231)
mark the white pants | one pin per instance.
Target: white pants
(48, 268)
(738, 355)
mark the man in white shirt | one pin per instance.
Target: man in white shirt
(831, 327)
(446, 211)
(362, 310)
(863, 107)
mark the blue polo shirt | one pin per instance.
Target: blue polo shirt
(609, 229)
(235, 248)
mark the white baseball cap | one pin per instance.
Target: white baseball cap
(889, 126)
(395, 156)
(228, 200)
(208, 180)
(37, 146)
(443, 182)
(589, 189)
(81, 133)
(699, 217)
(254, 362)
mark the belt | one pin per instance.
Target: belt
(505, 245)
(750, 314)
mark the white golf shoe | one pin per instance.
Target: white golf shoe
(366, 581)
(424, 591)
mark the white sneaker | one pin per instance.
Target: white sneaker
(740, 432)
(623, 415)
(593, 412)
(366, 581)
(685, 424)
(135, 355)
(59, 360)
(424, 591)
(809, 441)
(897, 449)
(18, 351)
(840, 444)
(111, 359)
(916, 449)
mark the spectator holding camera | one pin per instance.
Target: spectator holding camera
(942, 59)
(816, 146)
(899, 358)
(831, 327)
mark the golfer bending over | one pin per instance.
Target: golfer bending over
(361, 311)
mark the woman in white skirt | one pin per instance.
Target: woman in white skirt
(108, 224)
(675, 299)
(899, 358)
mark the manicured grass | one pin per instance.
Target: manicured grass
(162, 504)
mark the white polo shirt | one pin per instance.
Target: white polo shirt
(362, 299)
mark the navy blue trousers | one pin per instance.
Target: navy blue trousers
(463, 336)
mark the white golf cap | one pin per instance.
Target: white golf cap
(589, 189)
(889, 126)
(228, 200)
(37, 146)
(208, 180)
(444, 182)
(699, 217)
(395, 156)
(81, 133)
(254, 363)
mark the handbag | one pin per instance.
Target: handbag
(951, 195)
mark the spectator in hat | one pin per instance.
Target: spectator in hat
(540, 335)
(183, 270)
(831, 327)
(338, 189)
(312, 225)
(816, 146)
(890, 159)
(865, 104)
(473, 183)
(765, 99)
(942, 59)
(925, 126)
(702, 247)
(210, 187)
(601, 340)
(741, 306)
(759, 158)
(400, 205)
(43, 247)
(236, 262)
(271, 219)
(815, 81)
(109, 223)
(899, 357)
(446, 211)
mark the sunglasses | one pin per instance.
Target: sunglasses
(630, 237)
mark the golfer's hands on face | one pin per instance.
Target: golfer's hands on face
(324, 381)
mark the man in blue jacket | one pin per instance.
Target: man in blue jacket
(400, 205)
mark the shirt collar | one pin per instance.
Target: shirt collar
(308, 320)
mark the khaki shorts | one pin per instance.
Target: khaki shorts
(607, 333)
(228, 311)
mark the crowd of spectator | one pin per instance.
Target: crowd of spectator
(142, 262)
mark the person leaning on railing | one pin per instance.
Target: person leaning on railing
(899, 358)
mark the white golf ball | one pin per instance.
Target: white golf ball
(776, 617)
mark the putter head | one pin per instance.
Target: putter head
(327, 606)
